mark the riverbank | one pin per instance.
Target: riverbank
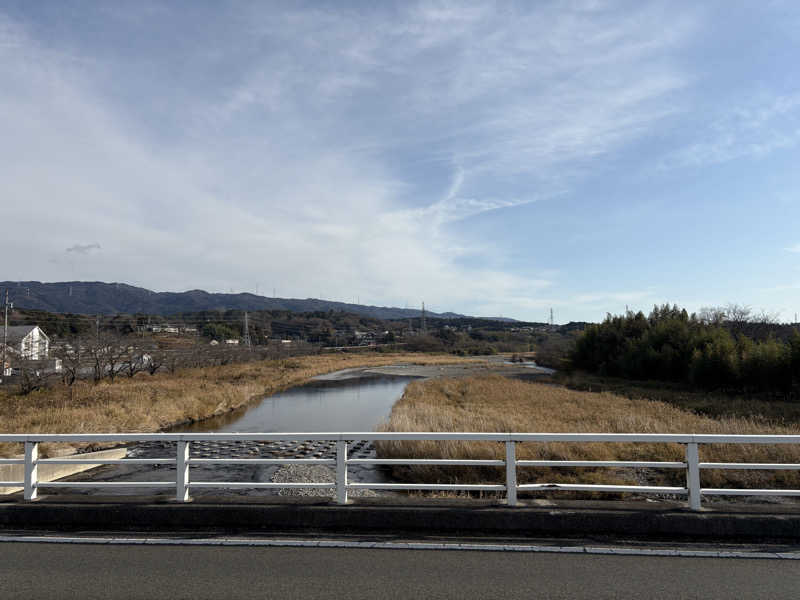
(500, 404)
(153, 403)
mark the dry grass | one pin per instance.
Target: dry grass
(151, 403)
(498, 404)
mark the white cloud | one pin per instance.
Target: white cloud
(795, 248)
(291, 169)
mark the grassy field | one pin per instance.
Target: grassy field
(147, 403)
(498, 404)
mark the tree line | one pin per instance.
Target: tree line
(728, 348)
(108, 355)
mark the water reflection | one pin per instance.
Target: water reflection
(357, 404)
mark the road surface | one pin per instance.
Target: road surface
(45, 570)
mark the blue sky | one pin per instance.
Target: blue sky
(487, 158)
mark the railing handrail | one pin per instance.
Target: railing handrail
(677, 438)
(183, 461)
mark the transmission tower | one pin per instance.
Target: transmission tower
(5, 335)
(551, 318)
(247, 332)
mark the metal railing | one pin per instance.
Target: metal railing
(183, 462)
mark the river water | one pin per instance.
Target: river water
(357, 403)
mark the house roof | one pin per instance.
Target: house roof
(17, 332)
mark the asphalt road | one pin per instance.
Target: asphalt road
(110, 572)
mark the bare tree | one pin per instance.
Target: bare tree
(116, 351)
(740, 319)
(107, 352)
(737, 316)
(73, 356)
(712, 315)
(156, 357)
(135, 359)
(174, 359)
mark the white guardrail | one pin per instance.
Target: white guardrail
(183, 462)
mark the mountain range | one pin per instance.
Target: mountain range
(95, 297)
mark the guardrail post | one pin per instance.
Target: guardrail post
(31, 470)
(182, 472)
(511, 473)
(693, 475)
(341, 472)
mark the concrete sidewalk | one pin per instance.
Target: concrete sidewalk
(632, 519)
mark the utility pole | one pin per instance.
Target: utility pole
(247, 332)
(551, 317)
(424, 328)
(5, 336)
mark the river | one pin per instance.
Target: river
(345, 401)
(355, 403)
(351, 400)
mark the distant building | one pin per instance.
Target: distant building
(27, 341)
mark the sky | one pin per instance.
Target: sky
(492, 159)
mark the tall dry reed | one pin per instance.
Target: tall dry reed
(498, 404)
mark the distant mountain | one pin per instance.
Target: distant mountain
(95, 297)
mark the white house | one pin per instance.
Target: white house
(27, 341)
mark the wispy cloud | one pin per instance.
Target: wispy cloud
(755, 128)
(83, 248)
(795, 248)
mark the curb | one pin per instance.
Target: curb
(430, 546)
(365, 519)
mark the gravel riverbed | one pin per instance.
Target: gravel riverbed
(312, 474)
